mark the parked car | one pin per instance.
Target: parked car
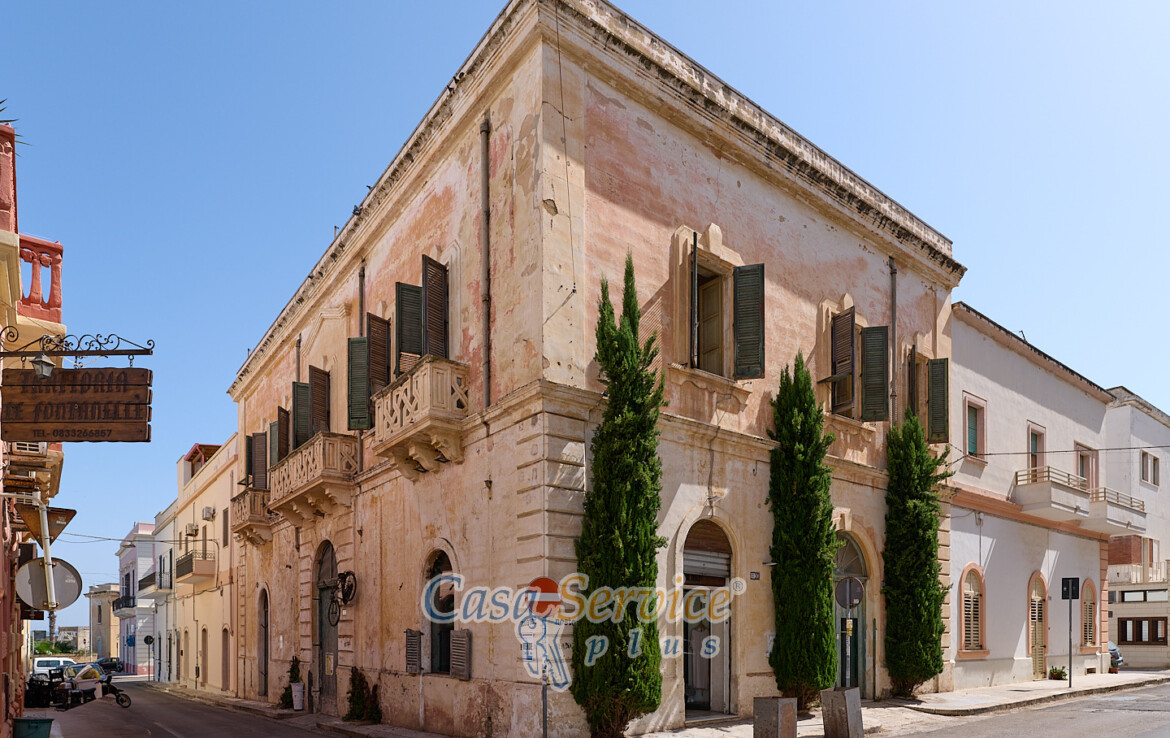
(42, 664)
(111, 665)
(1116, 660)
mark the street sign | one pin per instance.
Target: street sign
(30, 584)
(849, 593)
(58, 517)
(95, 404)
(148, 640)
(1070, 588)
(546, 596)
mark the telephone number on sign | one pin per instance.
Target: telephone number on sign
(76, 433)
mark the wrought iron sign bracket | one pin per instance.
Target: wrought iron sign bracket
(73, 346)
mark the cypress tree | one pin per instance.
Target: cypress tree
(619, 534)
(913, 592)
(804, 541)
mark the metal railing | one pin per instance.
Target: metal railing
(1104, 494)
(126, 602)
(185, 564)
(146, 581)
(1049, 474)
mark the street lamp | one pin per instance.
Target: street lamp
(42, 366)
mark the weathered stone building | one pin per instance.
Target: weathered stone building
(463, 296)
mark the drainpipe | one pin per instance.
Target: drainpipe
(894, 340)
(361, 334)
(485, 279)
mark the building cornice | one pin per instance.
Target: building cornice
(1123, 396)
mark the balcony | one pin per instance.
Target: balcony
(251, 518)
(31, 466)
(418, 419)
(155, 585)
(1052, 494)
(315, 478)
(42, 303)
(124, 607)
(1114, 513)
(195, 566)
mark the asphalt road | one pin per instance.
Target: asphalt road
(155, 713)
(1140, 712)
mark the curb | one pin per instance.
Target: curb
(272, 713)
(1057, 697)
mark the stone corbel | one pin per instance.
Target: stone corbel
(339, 495)
(404, 463)
(424, 453)
(449, 445)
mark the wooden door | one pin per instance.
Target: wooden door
(1037, 629)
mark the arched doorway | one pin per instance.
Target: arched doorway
(850, 562)
(262, 642)
(326, 631)
(706, 670)
(203, 649)
(444, 602)
(225, 669)
(185, 653)
(1037, 628)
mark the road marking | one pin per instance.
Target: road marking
(176, 735)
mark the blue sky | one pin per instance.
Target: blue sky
(194, 159)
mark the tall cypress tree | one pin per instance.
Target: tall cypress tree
(619, 534)
(804, 541)
(914, 594)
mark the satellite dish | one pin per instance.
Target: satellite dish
(30, 584)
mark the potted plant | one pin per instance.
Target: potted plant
(1057, 672)
(293, 696)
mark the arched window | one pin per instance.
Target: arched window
(971, 613)
(444, 602)
(1088, 614)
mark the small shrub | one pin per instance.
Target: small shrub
(294, 676)
(1057, 672)
(363, 701)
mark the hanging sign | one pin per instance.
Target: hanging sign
(93, 404)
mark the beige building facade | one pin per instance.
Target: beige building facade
(425, 402)
(103, 624)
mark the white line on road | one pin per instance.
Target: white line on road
(176, 735)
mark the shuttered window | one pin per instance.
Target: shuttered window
(936, 402)
(260, 461)
(842, 331)
(378, 331)
(461, 654)
(694, 294)
(912, 380)
(273, 443)
(711, 325)
(302, 414)
(748, 321)
(434, 307)
(318, 400)
(282, 428)
(407, 326)
(875, 373)
(972, 612)
(358, 385)
(1088, 617)
(413, 652)
(248, 457)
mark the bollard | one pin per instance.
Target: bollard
(775, 717)
(841, 711)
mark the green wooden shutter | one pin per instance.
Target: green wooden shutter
(694, 292)
(248, 458)
(302, 418)
(359, 384)
(273, 443)
(748, 321)
(434, 307)
(842, 331)
(937, 371)
(319, 400)
(912, 380)
(875, 373)
(378, 331)
(260, 461)
(407, 326)
(282, 425)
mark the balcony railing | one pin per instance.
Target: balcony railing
(315, 478)
(1052, 494)
(418, 419)
(195, 565)
(251, 517)
(1104, 494)
(41, 302)
(125, 602)
(1115, 513)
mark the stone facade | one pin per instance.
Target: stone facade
(103, 625)
(600, 140)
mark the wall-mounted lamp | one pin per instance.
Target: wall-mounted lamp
(42, 366)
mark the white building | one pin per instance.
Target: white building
(159, 587)
(136, 615)
(1035, 500)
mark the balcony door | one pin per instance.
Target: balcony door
(262, 639)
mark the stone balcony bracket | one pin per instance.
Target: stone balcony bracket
(418, 419)
(316, 479)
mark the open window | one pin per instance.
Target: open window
(369, 370)
(860, 364)
(422, 317)
(723, 295)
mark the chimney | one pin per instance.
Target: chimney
(7, 179)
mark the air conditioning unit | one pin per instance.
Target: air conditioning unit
(192, 529)
(209, 512)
